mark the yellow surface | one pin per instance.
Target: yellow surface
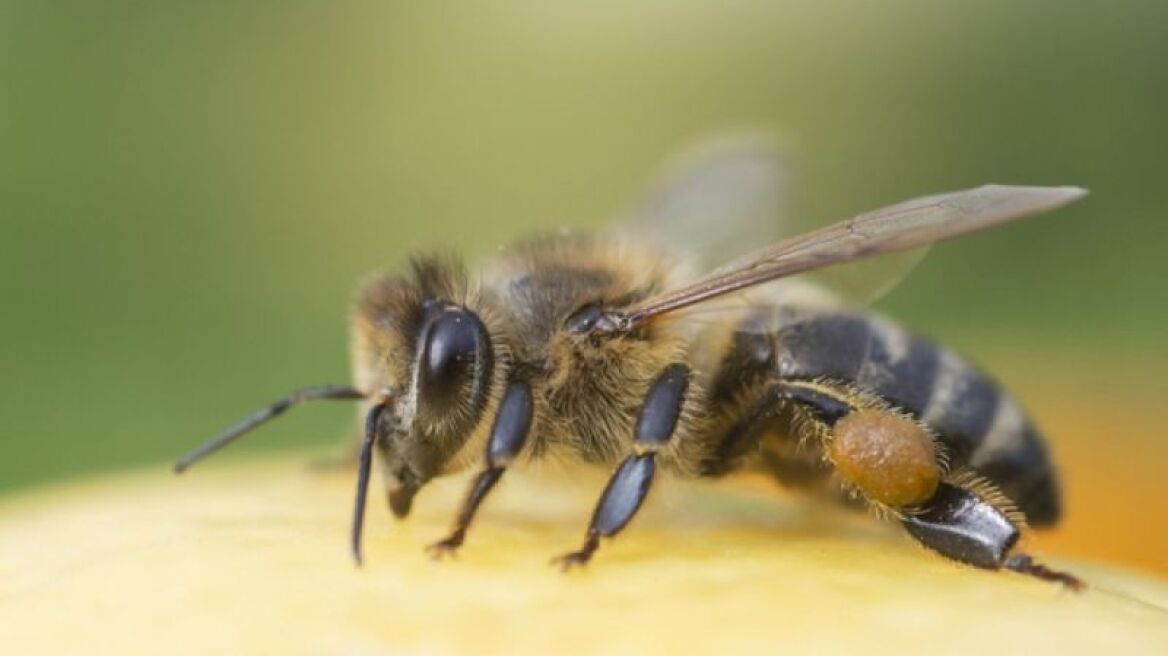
(252, 557)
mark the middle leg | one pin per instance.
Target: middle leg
(630, 483)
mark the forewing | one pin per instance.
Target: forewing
(727, 195)
(901, 227)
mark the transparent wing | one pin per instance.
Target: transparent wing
(867, 281)
(900, 227)
(729, 194)
(716, 200)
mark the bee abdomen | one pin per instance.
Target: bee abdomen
(978, 423)
(1014, 456)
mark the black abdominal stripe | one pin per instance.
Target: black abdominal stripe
(978, 424)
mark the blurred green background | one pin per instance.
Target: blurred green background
(189, 193)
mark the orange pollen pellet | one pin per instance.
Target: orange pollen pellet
(889, 458)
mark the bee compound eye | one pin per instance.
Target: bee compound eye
(455, 341)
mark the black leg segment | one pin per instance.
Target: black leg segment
(512, 423)
(662, 406)
(958, 524)
(816, 399)
(1024, 564)
(622, 498)
(508, 435)
(623, 495)
(629, 485)
(824, 407)
(482, 484)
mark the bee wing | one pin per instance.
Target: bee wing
(900, 227)
(727, 195)
(716, 200)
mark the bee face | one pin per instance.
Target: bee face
(433, 360)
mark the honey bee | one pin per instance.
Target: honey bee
(606, 348)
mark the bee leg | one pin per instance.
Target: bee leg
(629, 485)
(961, 525)
(622, 497)
(508, 435)
(483, 483)
(955, 521)
(783, 459)
(824, 403)
(1024, 564)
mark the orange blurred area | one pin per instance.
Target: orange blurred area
(1113, 481)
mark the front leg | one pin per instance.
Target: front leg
(508, 435)
(629, 485)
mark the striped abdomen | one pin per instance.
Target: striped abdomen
(978, 422)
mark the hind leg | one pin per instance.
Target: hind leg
(895, 464)
(965, 526)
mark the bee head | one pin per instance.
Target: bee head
(420, 348)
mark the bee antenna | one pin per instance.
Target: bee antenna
(363, 477)
(340, 392)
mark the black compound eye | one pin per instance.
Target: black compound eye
(456, 343)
